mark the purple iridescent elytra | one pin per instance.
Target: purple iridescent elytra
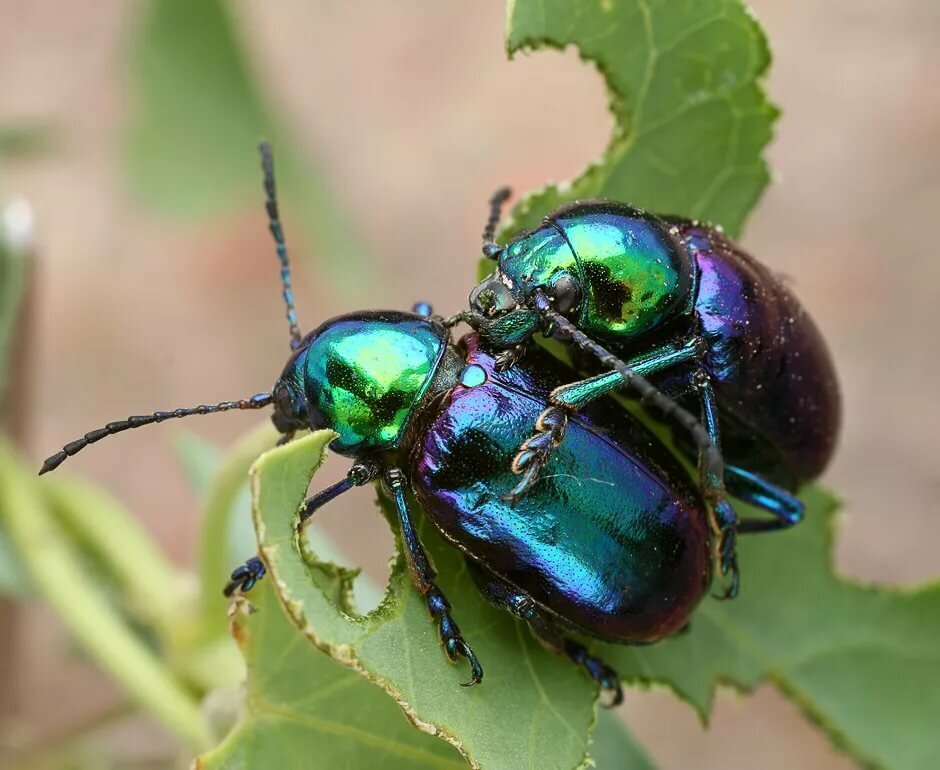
(612, 540)
(773, 376)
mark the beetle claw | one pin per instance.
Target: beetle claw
(476, 670)
(732, 589)
(616, 697)
(244, 577)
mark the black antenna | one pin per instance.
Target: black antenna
(491, 249)
(274, 225)
(258, 401)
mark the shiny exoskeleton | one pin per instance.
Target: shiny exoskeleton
(614, 542)
(677, 302)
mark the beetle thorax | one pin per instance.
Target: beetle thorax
(633, 274)
(363, 375)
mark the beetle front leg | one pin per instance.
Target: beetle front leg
(423, 574)
(534, 454)
(244, 577)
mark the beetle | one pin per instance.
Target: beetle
(617, 543)
(676, 301)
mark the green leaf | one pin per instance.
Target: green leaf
(152, 588)
(190, 147)
(862, 662)
(56, 570)
(690, 118)
(534, 709)
(303, 710)
(14, 579)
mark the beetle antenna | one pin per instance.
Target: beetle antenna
(491, 249)
(274, 225)
(258, 401)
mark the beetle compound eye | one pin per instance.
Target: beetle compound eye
(285, 415)
(566, 291)
(492, 298)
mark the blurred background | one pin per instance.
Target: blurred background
(403, 118)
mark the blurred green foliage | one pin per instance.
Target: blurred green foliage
(197, 117)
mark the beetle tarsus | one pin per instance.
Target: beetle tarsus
(244, 577)
(599, 671)
(534, 454)
(728, 561)
(454, 644)
(508, 358)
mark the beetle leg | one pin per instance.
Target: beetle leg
(243, 578)
(723, 521)
(786, 508)
(534, 454)
(423, 574)
(522, 606)
(362, 472)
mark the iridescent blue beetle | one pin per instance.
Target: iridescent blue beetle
(615, 542)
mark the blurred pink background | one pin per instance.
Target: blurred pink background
(416, 116)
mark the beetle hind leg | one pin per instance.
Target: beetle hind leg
(543, 628)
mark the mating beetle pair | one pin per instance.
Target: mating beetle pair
(605, 535)
(676, 301)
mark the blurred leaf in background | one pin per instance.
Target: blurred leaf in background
(16, 236)
(59, 570)
(190, 146)
(16, 225)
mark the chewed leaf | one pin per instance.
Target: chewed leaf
(863, 662)
(303, 710)
(691, 119)
(532, 705)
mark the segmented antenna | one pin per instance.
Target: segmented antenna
(258, 401)
(491, 249)
(274, 225)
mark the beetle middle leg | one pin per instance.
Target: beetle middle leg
(504, 595)
(423, 574)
